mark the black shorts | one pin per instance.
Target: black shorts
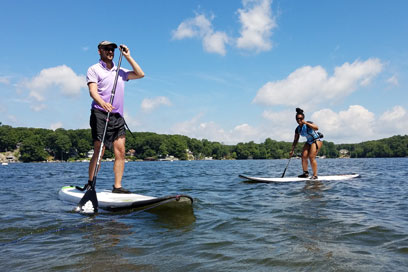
(116, 127)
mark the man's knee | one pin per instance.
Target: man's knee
(119, 152)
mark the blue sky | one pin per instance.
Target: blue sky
(227, 71)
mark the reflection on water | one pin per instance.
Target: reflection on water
(174, 219)
(314, 189)
(169, 216)
(103, 253)
(107, 237)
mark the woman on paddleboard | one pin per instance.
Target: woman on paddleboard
(312, 146)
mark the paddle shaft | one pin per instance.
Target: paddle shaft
(107, 121)
(286, 167)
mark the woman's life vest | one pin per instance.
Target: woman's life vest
(311, 135)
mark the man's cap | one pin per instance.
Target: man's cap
(106, 43)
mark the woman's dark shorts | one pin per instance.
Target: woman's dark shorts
(116, 127)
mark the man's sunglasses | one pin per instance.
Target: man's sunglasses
(107, 49)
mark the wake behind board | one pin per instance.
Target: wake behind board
(296, 179)
(110, 201)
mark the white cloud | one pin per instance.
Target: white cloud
(394, 121)
(356, 124)
(279, 125)
(257, 25)
(60, 77)
(256, 21)
(195, 27)
(131, 122)
(215, 42)
(244, 132)
(396, 114)
(56, 125)
(38, 107)
(149, 104)
(212, 131)
(201, 27)
(353, 125)
(186, 127)
(4, 80)
(278, 117)
(200, 130)
(393, 80)
(312, 84)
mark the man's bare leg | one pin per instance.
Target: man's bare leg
(119, 165)
(92, 163)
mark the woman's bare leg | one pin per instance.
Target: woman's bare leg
(313, 150)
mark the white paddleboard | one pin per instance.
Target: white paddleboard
(295, 179)
(110, 201)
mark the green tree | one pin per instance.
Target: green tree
(32, 149)
(62, 143)
(329, 150)
(195, 146)
(83, 146)
(177, 147)
(242, 153)
(163, 152)
(8, 139)
(207, 148)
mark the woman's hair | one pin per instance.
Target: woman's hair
(299, 111)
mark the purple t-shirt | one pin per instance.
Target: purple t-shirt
(105, 78)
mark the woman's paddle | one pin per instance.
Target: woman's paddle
(286, 167)
(90, 194)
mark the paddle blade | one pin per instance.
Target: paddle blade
(88, 203)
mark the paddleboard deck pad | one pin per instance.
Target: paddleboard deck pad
(110, 201)
(295, 179)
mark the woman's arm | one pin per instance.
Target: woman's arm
(295, 141)
(311, 125)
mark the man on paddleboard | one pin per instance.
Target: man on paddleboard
(100, 79)
(312, 146)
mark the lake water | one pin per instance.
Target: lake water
(355, 225)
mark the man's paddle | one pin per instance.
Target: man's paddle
(90, 194)
(286, 167)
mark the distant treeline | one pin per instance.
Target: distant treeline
(36, 144)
